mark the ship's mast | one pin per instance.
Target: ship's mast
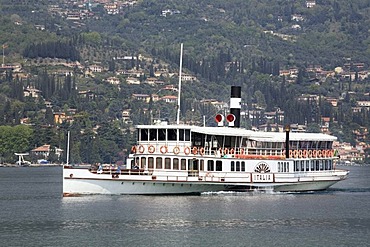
(178, 97)
(68, 136)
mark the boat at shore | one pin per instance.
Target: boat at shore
(183, 159)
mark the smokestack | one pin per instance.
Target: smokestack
(235, 105)
(287, 130)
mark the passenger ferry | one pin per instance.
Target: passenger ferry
(183, 159)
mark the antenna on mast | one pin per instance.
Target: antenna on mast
(178, 98)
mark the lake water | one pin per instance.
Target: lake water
(34, 213)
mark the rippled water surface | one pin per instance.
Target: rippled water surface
(33, 213)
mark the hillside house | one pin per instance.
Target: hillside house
(96, 68)
(132, 81)
(169, 99)
(141, 97)
(113, 80)
(31, 92)
(310, 3)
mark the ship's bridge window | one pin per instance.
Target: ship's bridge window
(161, 135)
(152, 134)
(172, 134)
(144, 134)
(184, 135)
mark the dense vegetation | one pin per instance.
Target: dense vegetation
(226, 43)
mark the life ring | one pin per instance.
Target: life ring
(232, 151)
(300, 153)
(309, 153)
(141, 149)
(195, 150)
(133, 149)
(314, 153)
(331, 154)
(176, 150)
(151, 149)
(290, 153)
(295, 153)
(201, 151)
(226, 151)
(319, 153)
(164, 149)
(242, 151)
(186, 150)
(324, 153)
(305, 154)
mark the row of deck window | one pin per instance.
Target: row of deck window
(216, 165)
(313, 165)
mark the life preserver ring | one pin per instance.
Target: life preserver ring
(309, 153)
(242, 151)
(319, 153)
(201, 151)
(305, 154)
(141, 149)
(133, 149)
(176, 150)
(195, 150)
(290, 153)
(314, 153)
(295, 153)
(232, 151)
(324, 153)
(226, 151)
(164, 149)
(151, 149)
(331, 153)
(186, 150)
(300, 153)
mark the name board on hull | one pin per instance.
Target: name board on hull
(262, 177)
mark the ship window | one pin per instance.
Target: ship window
(218, 165)
(183, 164)
(142, 162)
(187, 135)
(172, 134)
(232, 166)
(144, 135)
(210, 165)
(176, 164)
(132, 163)
(150, 162)
(327, 165)
(152, 134)
(243, 166)
(302, 165)
(167, 163)
(307, 165)
(201, 168)
(237, 166)
(312, 165)
(317, 165)
(158, 163)
(161, 135)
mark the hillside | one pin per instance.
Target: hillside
(280, 52)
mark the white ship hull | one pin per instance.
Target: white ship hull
(83, 182)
